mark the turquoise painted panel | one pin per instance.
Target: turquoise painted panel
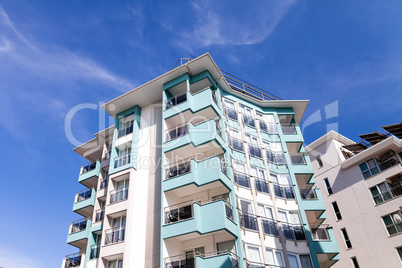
(221, 261)
(207, 218)
(90, 174)
(198, 135)
(87, 202)
(79, 235)
(303, 168)
(195, 103)
(329, 246)
(203, 172)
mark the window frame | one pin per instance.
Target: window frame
(225, 107)
(346, 238)
(393, 224)
(338, 214)
(328, 186)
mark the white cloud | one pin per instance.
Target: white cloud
(214, 26)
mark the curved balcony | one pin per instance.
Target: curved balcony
(89, 174)
(84, 202)
(201, 101)
(203, 218)
(188, 140)
(190, 175)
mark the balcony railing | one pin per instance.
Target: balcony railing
(307, 192)
(72, 260)
(261, 186)
(319, 232)
(83, 195)
(293, 231)
(251, 264)
(100, 214)
(248, 121)
(184, 211)
(284, 191)
(95, 250)
(248, 221)
(180, 261)
(297, 159)
(254, 150)
(288, 129)
(175, 101)
(126, 129)
(175, 132)
(78, 226)
(390, 162)
(241, 179)
(119, 195)
(115, 235)
(270, 226)
(178, 169)
(87, 167)
(122, 160)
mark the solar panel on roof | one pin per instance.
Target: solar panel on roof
(374, 137)
(395, 129)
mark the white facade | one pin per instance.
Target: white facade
(359, 207)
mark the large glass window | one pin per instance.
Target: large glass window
(261, 184)
(253, 256)
(393, 222)
(369, 168)
(291, 225)
(381, 192)
(282, 185)
(267, 123)
(235, 140)
(328, 186)
(248, 219)
(267, 219)
(275, 257)
(115, 264)
(247, 116)
(253, 147)
(346, 238)
(230, 109)
(240, 176)
(275, 153)
(126, 125)
(337, 211)
(229, 246)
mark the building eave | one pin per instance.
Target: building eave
(332, 135)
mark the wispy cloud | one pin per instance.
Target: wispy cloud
(214, 27)
(15, 259)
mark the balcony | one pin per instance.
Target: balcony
(301, 163)
(78, 234)
(89, 174)
(119, 195)
(201, 101)
(307, 192)
(319, 232)
(122, 160)
(188, 140)
(212, 259)
(72, 260)
(115, 235)
(325, 245)
(85, 202)
(202, 218)
(190, 175)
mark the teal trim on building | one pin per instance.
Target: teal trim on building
(224, 260)
(81, 235)
(89, 202)
(83, 178)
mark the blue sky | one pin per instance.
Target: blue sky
(54, 55)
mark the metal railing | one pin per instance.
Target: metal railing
(319, 232)
(115, 235)
(171, 102)
(118, 195)
(176, 132)
(179, 212)
(248, 221)
(284, 191)
(125, 130)
(288, 129)
(178, 169)
(390, 162)
(254, 150)
(180, 261)
(241, 179)
(269, 226)
(78, 226)
(297, 159)
(100, 214)
(261, 185)
(307, 192)
(87, 167)
(73, 260)
(293, 231)
(248, 120)
(252, 264)
(122, 160)
(83, 195)
(95, 250)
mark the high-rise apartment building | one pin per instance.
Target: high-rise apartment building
(362, 184)
(201, 169)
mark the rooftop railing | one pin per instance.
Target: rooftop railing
(319, 232)
(83, 195)
(115, 235)
(87, 167)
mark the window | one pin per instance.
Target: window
(247, 116)
(261, 185)
(240, 177)
(121, 192)
(369, 168)
(115, 264)
(393, 222)
(253, 148)
(355, 263)
(253, 255)
(248, 219)
(267, 123)
(124, 158)
(329, 189)
(126, 125)
(297, 261)
(235, 139)
(382, 192)
(346, 238)
(228, 246)
(267, 218)
(399, 250)
(319, 161)
(230, 109)
(336, 210)
(282, 186)
(275, 153)
(275, 257)
(117, 232)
